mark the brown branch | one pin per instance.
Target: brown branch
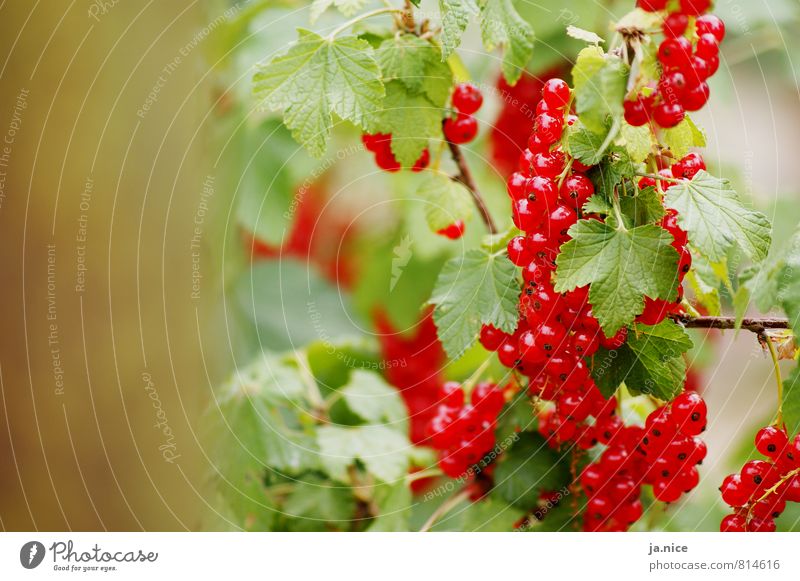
(465, 177)
(755, 325)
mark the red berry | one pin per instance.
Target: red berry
(548, 165)
(655, 311)
(454, 231)
(543, 191)
(668, 115)
(708, 23)
(652, 5)
(707, 46)
(689, 413)
(684, 262)
(518, 251)
(695, 98)
(675, 52)
(575, 190)
(637, 112)
(733, 523)
(517, 185)
(585, 344)
(451, 394)
(526, 215)
(549, 127)
(467, 98)
(733, 492)
(688, 166)
(560, 221)
(615, 342)
(423, 161)
(695, 7)
(385, 159)
(675, 24)
(771, 441)
(556, 93)
(491, 338)
(462, 129)
(487, 399)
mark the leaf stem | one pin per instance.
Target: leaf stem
(658, 177)
(364, 16)
(774, 355)
(465, 177)
(443, 509)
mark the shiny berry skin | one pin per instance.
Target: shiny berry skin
(636, 112)
(551, 337)
(548, 165)
(734, 493)
(688, 166)
(684, 262)
(695, 98)
(668, 114)
(462, 129)
(675, 25)
(556, 93)
(655, 311)
(710, 24)
(575, 190)
(518, 251)
(672, 86)
(733, 523)
(695, 7)
(525, 215)
(675, 52)
(543, 191)
(508, 354)
(771, 441)
(487, 399)
(560, 221)
(517, 185)
(372, 142)
(451, 394)
(670, 224)
(689, 413)
(549, 127)
(491, 338)
(529, 351)
(454, 231)
(585, 344)
(385, 159)
(707, 46)
(534, 273)
(467, 98)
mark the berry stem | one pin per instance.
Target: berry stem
(443, 509)
(774, 354)
(465, 177)
(767, 493)
(755, 325)
(364, 16)
(427, 473)
(658, 177)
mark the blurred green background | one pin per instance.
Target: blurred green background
(136, 158)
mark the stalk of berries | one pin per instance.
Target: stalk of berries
(688, 57)
(463, 428)
(664, 454)
(759, 492)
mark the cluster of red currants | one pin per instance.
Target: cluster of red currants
(381, 145)
(663, 454)
(686, 64)
(759, 493)
(462, 431)
(463, 128)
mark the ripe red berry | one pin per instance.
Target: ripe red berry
(637, 112)
(543, 191)
(467, 98)
(675, 52)
(655, 311)
(462, 129)
(385, 159)
(561, 219)
(556, 93)
(422, 162)
(695, 7)
(733, 523)
(517, 185)
(675, 24)
(548, 165)
(684, 262)
(575, 190)
(652, 5)
(707, 46)
(771, 441)
(688, 166)
(696, 97)
(549, 127)
(615, 342)
(454, 231)
(491, 338)
(668, 115)
(526, 216)
(708, 23)
(518, 251)
(689, 413)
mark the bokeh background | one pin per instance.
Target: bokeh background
(133, 162)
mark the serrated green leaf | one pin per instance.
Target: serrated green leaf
(638, 141)
(683, 137)
(446, 201)
(455, 18)
(383, 451)
(584, 35)
(622, 267)
(417, 64)
(650, 362)
(768, 281)
(791, 401)
(600, 96)
(477, 288)
(502, 26)
(316, 77)
(644, 208)
(586, 146)
(316, 499)
(369, 396)
(412, 119)
(395, 506)
(716, 219)
(346, 7)
(527, 468)
(597, 204)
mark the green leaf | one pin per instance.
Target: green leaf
(320, 500)
(418, 65)
(292, 306)
(716, 219)
(707, 294)
(622, 266)
(590, 60)
(638, 141)
(271, 378)
(489, 515)
(369, 396)
(585, 35)
(501, 25)
(791, 401)
(615, 168)
(599, 96)
(445, 201)
(412, 119)
(597, 204)
(478, 288)
(395, 507)
(383, 451)
(346, 7)
(316, 77)
(586, 146)
(526, 469)
(644, 208)
(683, 137)
(650, 362)
(455, 17)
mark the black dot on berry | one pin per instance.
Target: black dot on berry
(573, 194)
(665, 473)
(681, 456)
(563, 377)
(757, 479)
(594, 441)
(771, 448)
(685, 269)
(529, 291)
(547, 347)
(695, 416)
(537, 305)
(532, 197)
(776, 514)
(645, 440)
(657, 433)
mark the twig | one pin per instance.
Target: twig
(465, 177)
(755, 325)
